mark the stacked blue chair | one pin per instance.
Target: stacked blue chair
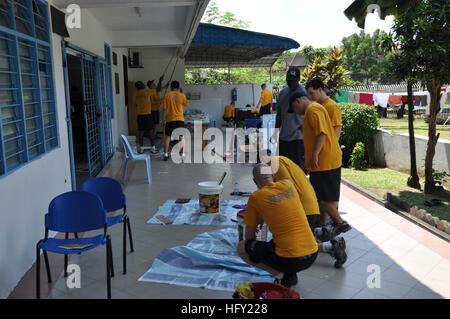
(74, 212)
(111, 193)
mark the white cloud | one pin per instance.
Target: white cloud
(317, 23)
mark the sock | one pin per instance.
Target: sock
(318, 231)
(327, 247)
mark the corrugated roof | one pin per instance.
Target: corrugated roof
(219, 46)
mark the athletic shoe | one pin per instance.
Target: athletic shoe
(340, 228)
(339, 252)
(289, 280)
(166, 158)
(326, 235)
(139, 150)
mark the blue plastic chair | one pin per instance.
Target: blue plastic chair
(129, 156)
(74, 212)
(111, 193)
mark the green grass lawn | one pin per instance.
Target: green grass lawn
(379, 181)
(420, 127)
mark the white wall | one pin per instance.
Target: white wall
(26, 193)
(120, 120)
(213, 98)
(392, 150)
(155, 61)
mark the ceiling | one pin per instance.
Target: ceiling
(146, 23)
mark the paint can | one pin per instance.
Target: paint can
(209, 194)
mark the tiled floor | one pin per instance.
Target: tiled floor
(412, 262)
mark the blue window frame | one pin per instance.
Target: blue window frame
(28, 126)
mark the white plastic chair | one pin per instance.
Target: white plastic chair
(131, 156)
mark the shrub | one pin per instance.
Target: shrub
(359, 123)
(358, 158)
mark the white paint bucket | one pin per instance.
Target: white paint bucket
(209, 197)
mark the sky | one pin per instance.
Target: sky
(310, 22)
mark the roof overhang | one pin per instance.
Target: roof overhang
(217, 46)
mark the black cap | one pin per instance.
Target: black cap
(293, 97)
(293, 74)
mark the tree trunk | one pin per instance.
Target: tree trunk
(413, 180)
(435, 92)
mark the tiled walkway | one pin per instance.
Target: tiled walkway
(412, 262)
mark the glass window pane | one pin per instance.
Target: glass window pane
(46, 108)
(12, 162)
(5, 80)
(32, 139)
(11, 147)
(44, 82)
(31, 125)
(48, 120)
(26, 66)
(31, 110)
(10, 131)
(8, 114)
(45, 95)
(7, 97)
(27, 81)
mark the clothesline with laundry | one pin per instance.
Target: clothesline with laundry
(420, 98)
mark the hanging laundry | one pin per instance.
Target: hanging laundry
(366, 98)
(405, 98)
(395, 100)
(381, 99)
(353, 97)
(342, 96)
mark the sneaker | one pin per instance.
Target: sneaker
(166, 158)
(289, 280)
(139, 150)
(326, 235)
(339, 252)
(340, 228)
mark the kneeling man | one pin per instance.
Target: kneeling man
(293, 247)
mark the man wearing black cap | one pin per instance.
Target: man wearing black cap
(290, 125)
(323, 159)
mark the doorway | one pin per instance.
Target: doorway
(80, 150)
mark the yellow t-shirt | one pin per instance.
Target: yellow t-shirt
(284, 168)
(266, 97)
(318, 121)
(279, 206)
(229, 111)
(143, 101)
(334, 111)
(156, 100)
(174, 102)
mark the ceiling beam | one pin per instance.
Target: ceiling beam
(91, 4)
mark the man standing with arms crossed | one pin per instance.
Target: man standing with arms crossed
(290, 125)
(323, 158)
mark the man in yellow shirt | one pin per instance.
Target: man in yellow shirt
(316, 91)
(265, 101)
(293, 247)
(173, 115)
(156, 100)
(285, 169)
(142, 100)
(229, 112)
(323, 157)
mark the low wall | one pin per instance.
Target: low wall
(392, 150)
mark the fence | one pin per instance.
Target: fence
(383, 88)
